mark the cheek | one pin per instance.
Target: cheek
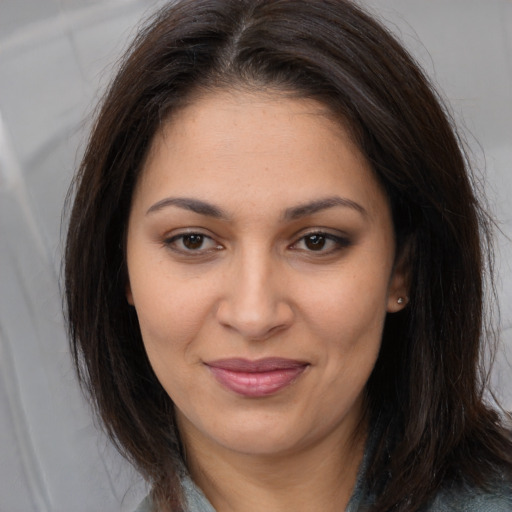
(349, 306)
(347, 317)
(170, 310)
(170, 317)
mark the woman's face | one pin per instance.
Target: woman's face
(260, 257)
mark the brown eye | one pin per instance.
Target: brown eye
(315, 242)
(321, 243)
(193, 241)
(192, 244)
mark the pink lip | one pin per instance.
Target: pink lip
(256, 378)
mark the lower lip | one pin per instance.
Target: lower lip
(257, 384)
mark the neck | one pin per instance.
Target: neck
(318, 477)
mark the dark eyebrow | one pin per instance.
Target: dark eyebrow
(194, 205)
(292, 213)
(305, 209)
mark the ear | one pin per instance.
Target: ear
(398, 291)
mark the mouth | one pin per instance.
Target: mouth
(257, 378)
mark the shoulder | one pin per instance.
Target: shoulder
(195, 500)
(145, 505)
(497, 498)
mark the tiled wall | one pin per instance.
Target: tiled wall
(54, 55)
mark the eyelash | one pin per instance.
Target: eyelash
(171, 244)
(339, 242)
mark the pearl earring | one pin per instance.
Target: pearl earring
(400, 300)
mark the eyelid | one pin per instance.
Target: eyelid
(169, 239)
(342, 240)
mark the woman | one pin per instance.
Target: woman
(274, 270)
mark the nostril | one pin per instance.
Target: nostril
(254, 323)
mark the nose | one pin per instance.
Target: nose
(255, 302)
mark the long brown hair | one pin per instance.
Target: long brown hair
(427, 387)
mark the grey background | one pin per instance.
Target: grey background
(55, 56)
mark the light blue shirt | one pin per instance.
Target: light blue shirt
(466, 500)
(458, 499)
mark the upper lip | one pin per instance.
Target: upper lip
(267, 364)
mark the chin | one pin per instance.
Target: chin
(260, 442)
(255, 433)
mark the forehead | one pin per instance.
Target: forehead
(253, 145)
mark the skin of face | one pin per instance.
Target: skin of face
(258, 230)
